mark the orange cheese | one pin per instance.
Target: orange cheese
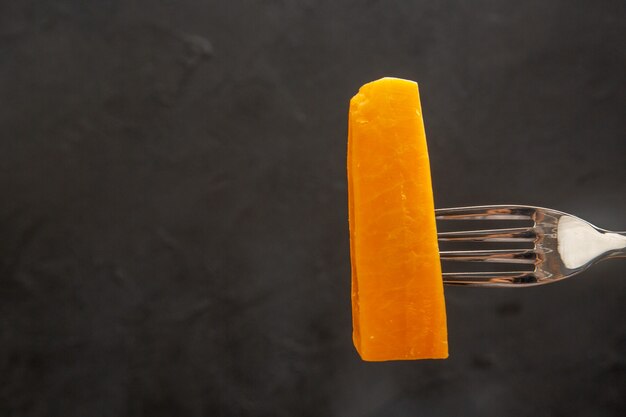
(398, 307)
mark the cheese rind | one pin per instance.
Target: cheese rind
(398, 306)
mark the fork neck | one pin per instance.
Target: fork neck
(580, 243)
(619, 252)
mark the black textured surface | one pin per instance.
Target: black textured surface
(173, 222)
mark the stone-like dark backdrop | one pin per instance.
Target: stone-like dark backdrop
(173, 222)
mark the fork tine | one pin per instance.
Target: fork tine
(518, 256)
(495, 279)
(486, 213)
(520, 234)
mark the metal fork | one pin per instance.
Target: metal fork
(564, 245)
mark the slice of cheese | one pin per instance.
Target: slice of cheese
(398, 307)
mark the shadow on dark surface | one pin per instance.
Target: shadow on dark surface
(174, 224)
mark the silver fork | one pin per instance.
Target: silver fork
(564, 245)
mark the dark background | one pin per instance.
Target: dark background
(173, 219)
